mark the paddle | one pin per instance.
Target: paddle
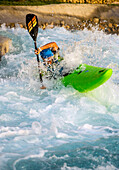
(32, 27)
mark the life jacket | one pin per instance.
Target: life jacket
(46, 53)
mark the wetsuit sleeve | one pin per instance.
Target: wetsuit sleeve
(51, 45)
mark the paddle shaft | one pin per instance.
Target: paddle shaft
(40, 75)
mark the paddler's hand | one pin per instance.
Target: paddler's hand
(37, 51)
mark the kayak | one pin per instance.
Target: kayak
(86, 78)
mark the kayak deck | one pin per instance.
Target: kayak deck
(86, 78)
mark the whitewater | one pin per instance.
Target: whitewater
(58, 128)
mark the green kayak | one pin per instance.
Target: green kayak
(86, 78)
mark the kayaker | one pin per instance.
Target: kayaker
(49, 53)
(51, 58)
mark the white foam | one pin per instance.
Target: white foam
(106, 167)
(87, 126)
(65, 167)
(34, 114)
(61, 157)
(40, 155)
(36, 126)
(60, 135)
(11, 131)
(5, 117)
(3, 99)
(58, 115)
(107, 94)
(59, 100)
(25, 98)
(11, 93)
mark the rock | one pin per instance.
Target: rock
(109, 30)
(46, 24)
(43, 27)
(4, 45)
(67, 27)
(82, 27)
(84, 24)
(115, 25)
(117, 30)
(21, 25)
(113, 31)
(110, 25)
(91, 20)
(89, 28)
(101, 27)
(50, 26)
(12, 25)
(96, 20)
(74, 1)
(62, 23)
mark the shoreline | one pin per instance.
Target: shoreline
(70, 16)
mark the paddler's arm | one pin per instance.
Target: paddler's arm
(52, 45)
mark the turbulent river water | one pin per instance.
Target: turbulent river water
(58, 128)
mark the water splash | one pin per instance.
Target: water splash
(58, 127)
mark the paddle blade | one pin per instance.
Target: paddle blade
(32, 25)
